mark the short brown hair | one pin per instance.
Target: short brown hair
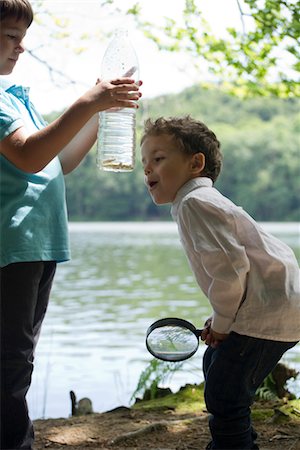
(193, 136)
(18, 9)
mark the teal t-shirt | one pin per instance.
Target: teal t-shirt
(33, 215)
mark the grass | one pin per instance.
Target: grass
(190, 399)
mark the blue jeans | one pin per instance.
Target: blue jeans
(233, 371)
(25, 290)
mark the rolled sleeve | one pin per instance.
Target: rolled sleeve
(10, 119)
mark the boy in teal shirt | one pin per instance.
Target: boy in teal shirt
(34, 235)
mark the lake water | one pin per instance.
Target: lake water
(122, 277)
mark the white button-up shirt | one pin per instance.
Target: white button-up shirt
(251, 279)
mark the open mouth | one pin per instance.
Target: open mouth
(151, 184)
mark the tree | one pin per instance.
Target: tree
(259, 140)
(56, 29)
(261, 59)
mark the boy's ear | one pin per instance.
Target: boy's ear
(197, 163)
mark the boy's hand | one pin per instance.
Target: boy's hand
(211, 337)
(217, 338)
(118, 93)
(206, 329)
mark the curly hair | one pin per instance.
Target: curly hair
(18, 9)
(193, 137)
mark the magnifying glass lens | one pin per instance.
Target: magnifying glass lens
(172, 343)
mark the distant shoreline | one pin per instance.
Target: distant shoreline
(163, 227)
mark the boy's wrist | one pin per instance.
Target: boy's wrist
(85, 107)
(219, 336)
(221, 324)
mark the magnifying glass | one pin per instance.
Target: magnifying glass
(172, 339)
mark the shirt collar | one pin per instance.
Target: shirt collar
(16, 90)
(188, 187)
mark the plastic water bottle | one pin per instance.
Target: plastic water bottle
(116, 132)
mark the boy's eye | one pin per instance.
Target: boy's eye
(158, 158)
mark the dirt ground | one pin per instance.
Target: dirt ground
(162, 428)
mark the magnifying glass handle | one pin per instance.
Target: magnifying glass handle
(198, 332)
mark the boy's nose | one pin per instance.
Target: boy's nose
(147, 169)
(21, 47)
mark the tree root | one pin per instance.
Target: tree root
(153, 427)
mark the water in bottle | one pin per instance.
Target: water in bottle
(116, 133)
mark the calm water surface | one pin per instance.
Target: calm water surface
(122, 277)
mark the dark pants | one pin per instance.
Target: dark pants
(233, 371)
(25, 290)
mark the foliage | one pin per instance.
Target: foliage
(188, 400)
(157, 372)
(258, 57)
(244, 61)
(160, 372)
(259, 139)
(56, 29)
(267, 391)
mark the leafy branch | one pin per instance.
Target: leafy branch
(53, 72)
(155, 373)
(53, 30)
(263, 60)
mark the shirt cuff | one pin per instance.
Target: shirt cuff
(221, 324)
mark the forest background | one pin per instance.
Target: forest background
(261, 170)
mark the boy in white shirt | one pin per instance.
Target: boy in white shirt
(250, 278)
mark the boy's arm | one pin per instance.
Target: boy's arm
(71, 155)
(220, 258)
(32, 152)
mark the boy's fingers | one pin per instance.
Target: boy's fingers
(208, 322)
(204, 334)
(208, 339)
(127, 104)
(127, 83)
(125, 94)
